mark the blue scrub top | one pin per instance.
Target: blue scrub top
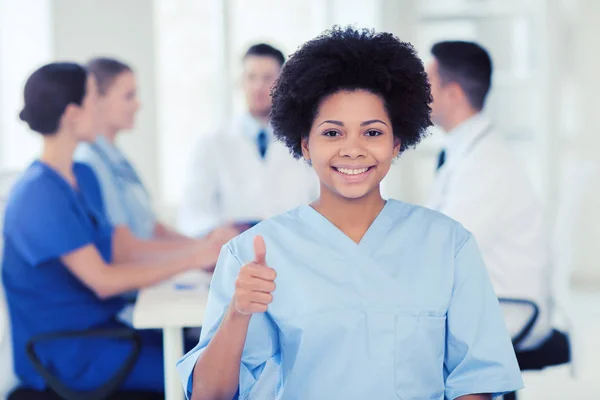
(125, 197)
(407, 313)
(45, 219)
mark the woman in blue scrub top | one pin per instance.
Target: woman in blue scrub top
(64, 266)
(126, 199)
(352, 296)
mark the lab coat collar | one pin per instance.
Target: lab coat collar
(463, 134)
(251, 126)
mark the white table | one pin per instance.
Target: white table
(171, 306)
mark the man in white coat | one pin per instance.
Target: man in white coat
(240, 174)
(481, 184)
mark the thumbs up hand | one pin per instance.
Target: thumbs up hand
(254, 283)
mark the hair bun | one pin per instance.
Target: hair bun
(23, 115)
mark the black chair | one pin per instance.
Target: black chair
(554, 351)
(109, 390)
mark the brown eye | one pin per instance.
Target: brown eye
(373, 133)
(331, 133)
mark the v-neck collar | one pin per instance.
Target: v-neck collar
(62, 181)
(380, 225)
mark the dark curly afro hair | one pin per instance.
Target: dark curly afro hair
(351, 59)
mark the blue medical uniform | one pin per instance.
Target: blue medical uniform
(408, 313)
(46, 219)
(126, 200)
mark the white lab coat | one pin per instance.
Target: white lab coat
(228, 181)
(484, 186)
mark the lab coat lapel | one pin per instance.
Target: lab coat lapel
(447, 172)
(441, 182)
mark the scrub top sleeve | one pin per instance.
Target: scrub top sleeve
(479, 354)
(47, 224)
(262, 340)
(114, 206)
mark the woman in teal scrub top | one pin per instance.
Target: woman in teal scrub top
(352, 297)
(126, 199)
(64, 265)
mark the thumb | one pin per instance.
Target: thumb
(260, 250)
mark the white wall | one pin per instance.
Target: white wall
(188, 83)
(25, 44)
(582, 146)
(123, 29)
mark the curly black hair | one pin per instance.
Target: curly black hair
(352, 59)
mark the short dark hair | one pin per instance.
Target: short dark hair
(265, 50)
(105, 70)
(467, 64)
(347, 59)
(48, 92)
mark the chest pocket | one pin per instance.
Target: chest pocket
(419, 356)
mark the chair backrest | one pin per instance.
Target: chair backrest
(7, 378)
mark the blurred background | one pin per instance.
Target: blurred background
(187, 57)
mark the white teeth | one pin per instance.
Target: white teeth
(347, 171)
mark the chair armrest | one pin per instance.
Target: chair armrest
(519, 337)
(107, 388)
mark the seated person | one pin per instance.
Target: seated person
(484, 186)
(240, 174)
(126, 199)
(64, 266)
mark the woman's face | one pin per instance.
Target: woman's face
(351, 144)
(119, 104)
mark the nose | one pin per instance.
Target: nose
(352, 147)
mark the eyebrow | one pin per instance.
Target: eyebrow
(372, 121)
(364, 123)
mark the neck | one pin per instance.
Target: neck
(109, 133)
(58, 154)
(262, 118)
(458, 117)
(351, 216)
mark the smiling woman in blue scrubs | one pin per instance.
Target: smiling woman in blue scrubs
(64, 266)
(374, 299)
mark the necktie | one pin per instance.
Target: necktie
(261, 141)
(441, 159)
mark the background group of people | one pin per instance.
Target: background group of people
(80, 233)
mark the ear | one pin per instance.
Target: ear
(456, 93)
(71, 113)
(397, 145)
(305, 152)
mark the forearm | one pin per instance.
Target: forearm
(143, 250)
(128, 248)
(126, 277)
(162, 231)
(475, 397)
(217, 371)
